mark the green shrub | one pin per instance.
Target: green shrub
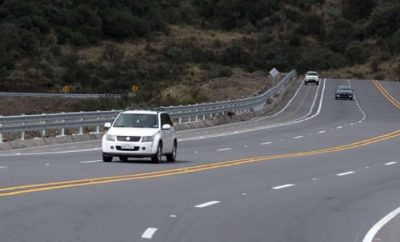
(385, 20)
(319, 58)
(356, 53)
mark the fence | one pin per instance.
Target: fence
(188, 113)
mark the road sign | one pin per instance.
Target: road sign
(134, 88)
(66, 89)
(274, 72)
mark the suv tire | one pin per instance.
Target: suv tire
(171, 157)
(107, 158)
(156, 158)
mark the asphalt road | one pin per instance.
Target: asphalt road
(318, 170)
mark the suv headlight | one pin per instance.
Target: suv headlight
(147, 138)
(110, 137)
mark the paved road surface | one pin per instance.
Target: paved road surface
(320, 170)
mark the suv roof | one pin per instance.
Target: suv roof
(142, 111)
(312, 73)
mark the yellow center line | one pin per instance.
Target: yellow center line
(386, 94)
(18, 190)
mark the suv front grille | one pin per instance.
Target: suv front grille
(128, 138)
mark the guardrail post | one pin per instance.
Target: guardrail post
(1, 131)
(98, 122)
(44, 123)
(24, 128)
(63, 128)
(81, 127)
(180, 119)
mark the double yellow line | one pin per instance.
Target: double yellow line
(18, 190)
(387, 95)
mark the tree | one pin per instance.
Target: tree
(357, 9)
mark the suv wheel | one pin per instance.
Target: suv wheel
(107, 158)
(172, 156)
(156, 158)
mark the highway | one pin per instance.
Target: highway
(317, 170)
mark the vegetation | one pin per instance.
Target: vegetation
(104, 46)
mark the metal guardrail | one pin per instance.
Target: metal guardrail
(70, 95)
(181, 114)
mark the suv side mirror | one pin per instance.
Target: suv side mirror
(166, 127)
(107, 126)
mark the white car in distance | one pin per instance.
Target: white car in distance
(311, 76)
(138, 134)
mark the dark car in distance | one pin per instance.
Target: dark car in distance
(344, 92)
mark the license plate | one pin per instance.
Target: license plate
(127, 146)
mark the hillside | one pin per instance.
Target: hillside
(173, 50)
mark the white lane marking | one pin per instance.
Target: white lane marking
(351, 124)
(367, 167)
(359, 121)
(245, 146)
(391, 163)
(283, 186)
(369, 237)
(3, 167)
(244, 194)
(203, 205)
(224, 149)
(47, 164)
(315, 179)
(148, 234)
(196, 152)
(172, 216)
(52, 152)
(89, 161)
(345, 173)
(339, 127)
(47, 146)
(304, 118)
(266, 143)
(321, 132)
(286, 106)
(298, 137)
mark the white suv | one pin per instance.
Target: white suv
(140, 134)
(311, 76)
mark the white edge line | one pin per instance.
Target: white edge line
(51, 152)
(295, 121)
(345, 173)
(148, 233)
(283, 186)
(391, 163)
(378, 226)
(298, 137)
(321, 132)
(203, 205)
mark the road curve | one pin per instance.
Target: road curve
(320, 170)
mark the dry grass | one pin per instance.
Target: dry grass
(387, 70)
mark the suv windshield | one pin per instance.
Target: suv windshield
(135, 120)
